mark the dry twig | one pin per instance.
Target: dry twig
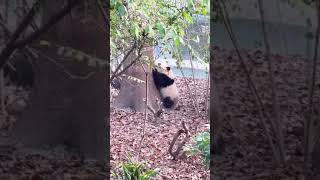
(184, 130)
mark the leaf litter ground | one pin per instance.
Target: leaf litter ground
(21, 163)
(127, 127)
(62, 163)
(248, 154)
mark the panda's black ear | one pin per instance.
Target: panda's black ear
(154, 70)
(168, 68)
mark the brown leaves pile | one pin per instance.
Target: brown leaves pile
(248, 154)
(126, 131)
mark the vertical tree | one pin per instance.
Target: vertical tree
(69, 101)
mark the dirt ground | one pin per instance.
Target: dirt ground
(248, 154)
(126, 131)
(21, 163)
(18, 162)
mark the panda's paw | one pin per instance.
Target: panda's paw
(159, 113)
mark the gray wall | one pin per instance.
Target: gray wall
(283, 38)
(287, 35)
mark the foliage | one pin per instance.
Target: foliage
(202, 146)
(198, 42)
(308, 2)
(134, 171)
(153, 23)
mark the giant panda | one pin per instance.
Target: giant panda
(164, 81)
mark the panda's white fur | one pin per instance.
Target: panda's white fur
(164, 80)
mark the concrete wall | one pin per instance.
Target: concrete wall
(291, 14)
(287, 35)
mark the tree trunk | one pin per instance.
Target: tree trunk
(65, 110)
(216, 117)
(133, 93)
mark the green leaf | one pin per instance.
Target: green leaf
(178, 41)
(161, 29)
(112, 44)
(202, 146)
(121, 9)
(126, 172)
(204, 11)
(187, 16)
(149, 174)
(135, 30)
(149, 31)
(191, 4)
(113, 3)
(181, 32)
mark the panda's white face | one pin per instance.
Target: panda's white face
(165, 70)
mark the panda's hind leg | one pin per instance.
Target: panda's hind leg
(167, 102)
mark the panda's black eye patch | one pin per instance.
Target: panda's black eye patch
(168, 68)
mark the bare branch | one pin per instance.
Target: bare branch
(189, 90)
(309, 120)
(194, 80)
(145, 114)
(64, 69)
(14, 44)
(10, 47)
(124, 59)
(127, 67)
(103, 12)
(175, 154)
(275, 102)
(226, 20)
(51, 22)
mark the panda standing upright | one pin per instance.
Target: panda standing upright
(164, 81)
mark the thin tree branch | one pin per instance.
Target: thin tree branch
(275, 101)
(123, 60)
(61, 66)
(3, 24)
(283, 35)
(103, 12)
(51, 22)
(188, 88)
(26, 8)
(194, 80)
(309, 119)
(207, 92)
(14, 44)
(127, 67)
(10, 47)
(145, 115)
(226, 20)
